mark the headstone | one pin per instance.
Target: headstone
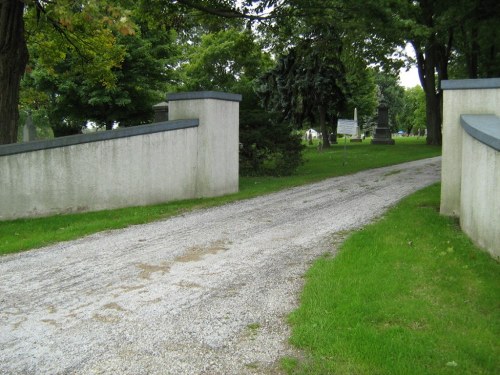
(161, 112)
(382, 134)
(29, 130)
(357, 134)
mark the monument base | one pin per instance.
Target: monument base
(382, 136)
(385, 141)
(356, 140)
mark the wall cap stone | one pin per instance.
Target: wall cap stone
(204, 95)
(484, 128)
(18, 148)
(467, 84)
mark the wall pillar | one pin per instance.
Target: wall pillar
(218, 138)
(468, 96)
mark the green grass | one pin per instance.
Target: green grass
(25, 234)
(345, 158)
(409, 294)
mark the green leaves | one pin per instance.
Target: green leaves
(105, 67)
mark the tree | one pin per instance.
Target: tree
(124, 74)
(362, 88)
(412, 117)
(13, 59)
(442, 32)
(477, 41)
(224, 60)
(309, 81)
(392, 94)
(231, 60)
(70, 19)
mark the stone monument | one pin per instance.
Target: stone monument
(29, 130)
(382, 134)
(161, 112)
(357, 134)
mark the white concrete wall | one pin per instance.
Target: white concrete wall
(480, 194)
(470, 181)
(218, 140)
(458, 101)
(141, 169)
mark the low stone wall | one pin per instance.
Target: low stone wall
(193, 155)
(470, 186)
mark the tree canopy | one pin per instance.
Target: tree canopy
(85, 55)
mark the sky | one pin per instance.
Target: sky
(409, 78)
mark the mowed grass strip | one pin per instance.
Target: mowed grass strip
(409, 294)
(25, 234)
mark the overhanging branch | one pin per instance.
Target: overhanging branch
(223, 12)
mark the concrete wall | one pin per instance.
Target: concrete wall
(149, 164)
(470, 183)
(218, 163)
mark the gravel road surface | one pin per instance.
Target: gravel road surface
(203, 293)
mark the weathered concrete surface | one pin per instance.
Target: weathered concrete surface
(134, 166)
(470, 180)
(480, 194)
(465, 97)
(203, 293)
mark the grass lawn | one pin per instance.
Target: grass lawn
(409, 294)
(25, 234)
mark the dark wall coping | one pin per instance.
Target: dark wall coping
(18, 148)
(464, 84)
(484, 128)
(204, 95)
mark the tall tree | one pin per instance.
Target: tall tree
(392, 94)
(412, 117)
(433, 29)
(308, 82)
(13, 46)
(13, 60)
(120, 86)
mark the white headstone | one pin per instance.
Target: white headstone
(29, 130)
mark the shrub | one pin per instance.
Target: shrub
(268, 147)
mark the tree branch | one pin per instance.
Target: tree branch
(223, 12)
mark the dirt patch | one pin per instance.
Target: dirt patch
(195, 253)
(148, 269)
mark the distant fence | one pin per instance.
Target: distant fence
(470, 186)
(195, 154)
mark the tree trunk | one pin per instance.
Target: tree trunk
(433, 112)
(426, 64)
(324, 130)
(13, 60)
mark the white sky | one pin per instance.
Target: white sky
(409, 78)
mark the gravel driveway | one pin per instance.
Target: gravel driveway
(203, 293)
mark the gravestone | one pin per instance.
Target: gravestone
(382, 134)
(29, 130)
(161, 112)
(356, 137)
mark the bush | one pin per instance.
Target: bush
(268, 147)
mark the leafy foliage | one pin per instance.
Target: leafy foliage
(309, 81)
(269, 147)
(392, 94)
(114, 70)
(412, 117)
(231, 60)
